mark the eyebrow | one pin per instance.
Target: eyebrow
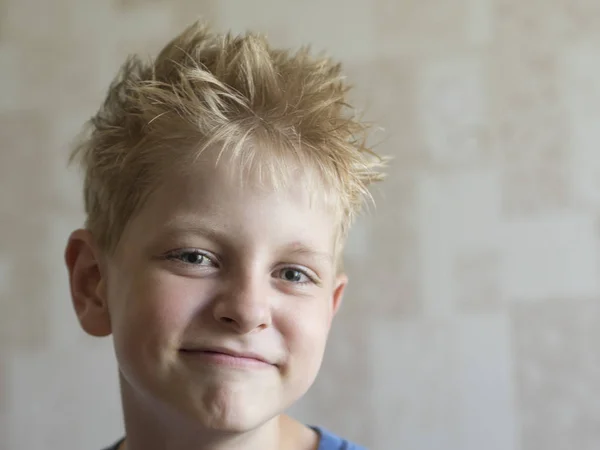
(192, 227)
(297, 248)
(207, 230)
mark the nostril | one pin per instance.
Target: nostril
(227, 320)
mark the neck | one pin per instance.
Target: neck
(153, 427)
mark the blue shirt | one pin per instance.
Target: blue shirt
(328, 441)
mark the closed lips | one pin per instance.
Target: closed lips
(229, 352)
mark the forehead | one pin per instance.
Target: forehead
(248, 201)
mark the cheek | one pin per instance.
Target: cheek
(153, 312)
(305, 328)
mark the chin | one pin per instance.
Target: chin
(231, 410)
(233, 418)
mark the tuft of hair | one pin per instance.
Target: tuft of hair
(270, 109)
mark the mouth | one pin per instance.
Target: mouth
(226, 358)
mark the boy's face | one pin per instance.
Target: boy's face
(211, 267)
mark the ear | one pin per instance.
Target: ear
(341, 281)
(87, 282)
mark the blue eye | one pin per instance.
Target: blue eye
(294, 276)
(192, 257)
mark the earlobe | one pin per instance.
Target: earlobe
(87, 282)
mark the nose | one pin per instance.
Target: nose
(243, 306)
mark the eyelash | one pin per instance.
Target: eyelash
(310, 278)
(179, 256)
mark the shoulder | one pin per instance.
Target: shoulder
(329, 441)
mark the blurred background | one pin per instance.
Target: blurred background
(473, 316)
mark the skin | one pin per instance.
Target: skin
(208, 262)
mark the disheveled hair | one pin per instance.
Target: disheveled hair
(270, 109)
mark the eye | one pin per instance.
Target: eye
(192, 257)
(294, 275)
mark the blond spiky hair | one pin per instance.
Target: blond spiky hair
(206, 89)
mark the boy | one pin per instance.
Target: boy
(220, 182)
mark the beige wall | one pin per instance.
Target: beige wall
(473, 317)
